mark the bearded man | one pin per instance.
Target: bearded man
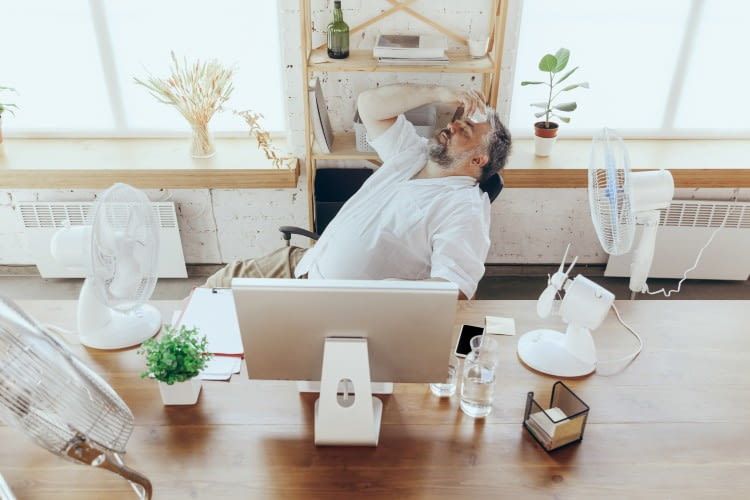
(421, 215)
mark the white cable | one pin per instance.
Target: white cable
(629, 357)
(669, 293)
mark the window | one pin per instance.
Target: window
(73, 62)
(673, 68)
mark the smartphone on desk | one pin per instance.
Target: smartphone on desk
(463, 345)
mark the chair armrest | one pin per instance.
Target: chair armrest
(288, 231)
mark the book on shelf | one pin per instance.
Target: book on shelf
(410, 46)
(321, 123)
(392, 61)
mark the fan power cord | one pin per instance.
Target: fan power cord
(668, 293)
(630, 357)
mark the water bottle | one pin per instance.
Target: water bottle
(478, 380)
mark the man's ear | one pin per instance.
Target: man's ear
(479, 161)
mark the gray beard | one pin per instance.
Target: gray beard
(438, 153)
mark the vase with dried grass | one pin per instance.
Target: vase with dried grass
(197, 90)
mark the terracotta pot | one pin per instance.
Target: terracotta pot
(544, 138)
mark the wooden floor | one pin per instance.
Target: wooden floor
(674, 424)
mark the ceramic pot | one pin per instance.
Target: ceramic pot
(181, 393)
(544, 138)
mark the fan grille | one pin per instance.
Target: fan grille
(609, 194)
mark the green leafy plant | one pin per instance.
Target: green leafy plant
(553, 65)
(7, 106)
(175, 356)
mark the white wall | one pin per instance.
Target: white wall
(528, 225)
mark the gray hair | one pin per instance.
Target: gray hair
(497, 145)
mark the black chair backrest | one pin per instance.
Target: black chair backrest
(492, 186)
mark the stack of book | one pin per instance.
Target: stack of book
(410, 49)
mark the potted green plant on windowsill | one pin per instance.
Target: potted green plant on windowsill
(5, 106)
(545, 132)
(175, 359)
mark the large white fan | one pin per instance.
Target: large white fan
(119, 251)
(619, 199)
(59, 402)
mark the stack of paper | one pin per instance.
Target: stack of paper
(212, 312)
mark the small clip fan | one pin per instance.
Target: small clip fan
(555, 284)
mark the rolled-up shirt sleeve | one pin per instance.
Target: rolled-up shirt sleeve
(460, 246)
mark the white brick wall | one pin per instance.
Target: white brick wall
(528, 225)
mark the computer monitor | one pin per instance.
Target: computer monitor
(354, 331)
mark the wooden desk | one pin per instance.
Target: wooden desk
(675, 424)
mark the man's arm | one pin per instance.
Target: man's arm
(379, 108)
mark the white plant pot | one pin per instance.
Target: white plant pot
(181, 393)
(543, 145)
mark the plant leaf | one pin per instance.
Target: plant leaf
(566, 75)
(564, 119)
(548, 63)
(566, 106)
(584, 85)
(542, 105)
(540, 114)
(562, 56)
(526, 82)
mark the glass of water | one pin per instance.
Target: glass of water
(478, 381)
(448, 388)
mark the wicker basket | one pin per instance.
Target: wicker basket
(423, 118)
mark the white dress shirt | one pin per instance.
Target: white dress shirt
(404, 228)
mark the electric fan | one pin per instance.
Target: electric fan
(119, 251)
(619, 199)
(583, 308)
(55, 399)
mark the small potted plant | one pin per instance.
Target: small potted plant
(5, 106)
(175, 359)
(545, 132)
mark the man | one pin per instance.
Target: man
(421, 215)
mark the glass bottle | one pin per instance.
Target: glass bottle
(338, 34)
(478, 381)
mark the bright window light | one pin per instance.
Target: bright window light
(73, 63)
(671, 68)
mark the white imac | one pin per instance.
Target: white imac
(346, 333)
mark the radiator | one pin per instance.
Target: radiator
(42, 219)
(684, 227)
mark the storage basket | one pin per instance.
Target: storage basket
(423, 118)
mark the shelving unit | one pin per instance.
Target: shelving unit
(315, 60)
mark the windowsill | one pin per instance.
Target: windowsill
(144, 163)
(693, 163)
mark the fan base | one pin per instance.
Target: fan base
(123, 330)
(546, 351)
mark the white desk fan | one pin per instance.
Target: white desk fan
(56, 400)
(619, 199)
(584, 306)
(119, 251)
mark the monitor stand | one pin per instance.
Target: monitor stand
(346, 419)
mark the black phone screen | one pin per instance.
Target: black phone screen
(463, 346)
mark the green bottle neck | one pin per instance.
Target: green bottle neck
(338, 16)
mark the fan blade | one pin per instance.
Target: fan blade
(546, 301)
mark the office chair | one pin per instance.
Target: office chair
(492, 186)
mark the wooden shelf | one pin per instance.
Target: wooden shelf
(362, 60)
(344, 148)
(143, 163)
(693, 163)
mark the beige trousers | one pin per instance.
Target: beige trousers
(278, 264)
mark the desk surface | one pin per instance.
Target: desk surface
(673, 424)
